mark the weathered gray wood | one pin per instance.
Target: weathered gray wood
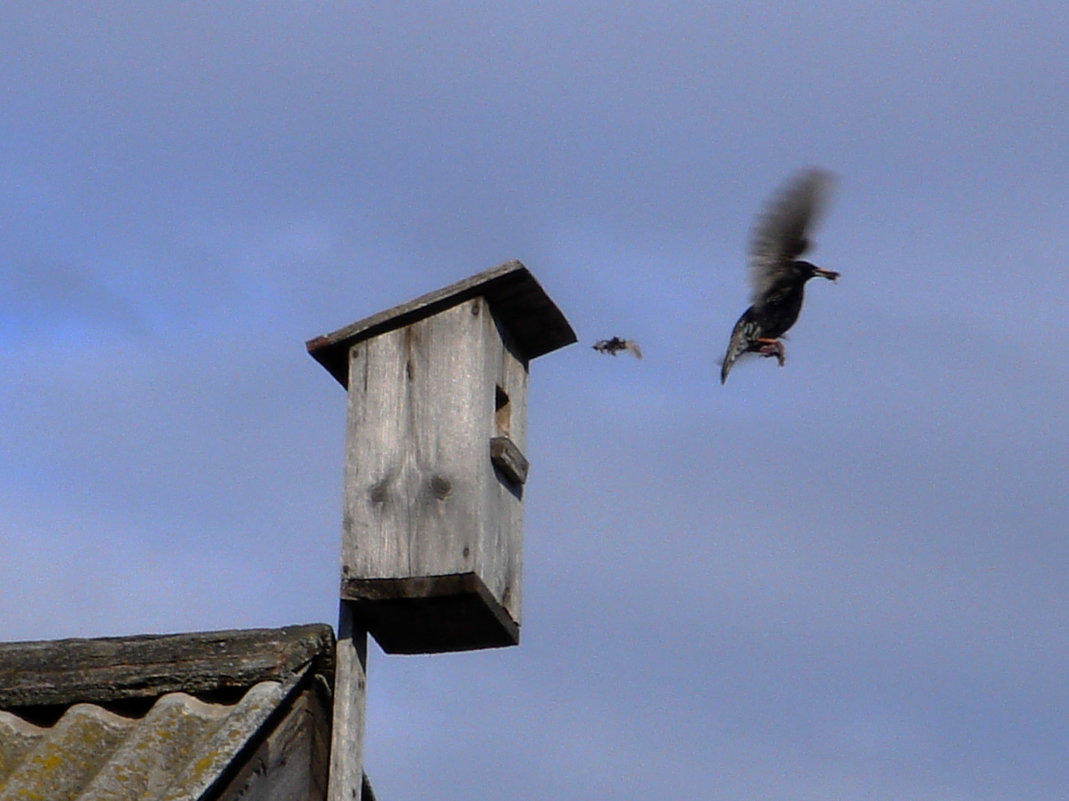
(435, 464)
(507, 458)
(350, 705)
(502, 546)
(291, 762)
(537, 325)
(111, 668)
(422, 496)
(419, 414)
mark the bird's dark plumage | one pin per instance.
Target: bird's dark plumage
(777, 276)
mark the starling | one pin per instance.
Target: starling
(777, 276)
(616, 344)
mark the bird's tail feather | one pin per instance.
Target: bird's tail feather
(725, 367)
(742, 335)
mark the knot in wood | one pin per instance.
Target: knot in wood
(441, 487)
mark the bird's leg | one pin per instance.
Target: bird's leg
(772, 347)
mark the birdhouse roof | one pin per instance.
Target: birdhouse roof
(533, 321)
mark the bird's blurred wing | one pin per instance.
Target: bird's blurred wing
(780, 234)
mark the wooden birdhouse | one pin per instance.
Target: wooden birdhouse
(435, 466)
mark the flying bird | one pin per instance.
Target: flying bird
(616, 344)
(777, 276)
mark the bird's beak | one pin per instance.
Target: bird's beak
(831, 275)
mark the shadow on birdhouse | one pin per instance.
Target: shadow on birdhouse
(432, 541)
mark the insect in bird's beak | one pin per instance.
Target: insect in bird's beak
(831, 275)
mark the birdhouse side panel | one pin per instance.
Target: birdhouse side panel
(417, 425)
(500, 556)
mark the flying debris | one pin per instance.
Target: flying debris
(777, 276)
(615, 345)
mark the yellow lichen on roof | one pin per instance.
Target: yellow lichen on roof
(173, 751)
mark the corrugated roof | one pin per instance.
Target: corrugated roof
(174, 751)
(151, 718)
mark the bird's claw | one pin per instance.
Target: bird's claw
(774, 349)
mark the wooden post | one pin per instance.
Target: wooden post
(350, 710)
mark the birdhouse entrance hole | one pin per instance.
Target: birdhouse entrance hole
(502, 411)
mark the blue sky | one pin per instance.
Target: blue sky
(844, 578)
